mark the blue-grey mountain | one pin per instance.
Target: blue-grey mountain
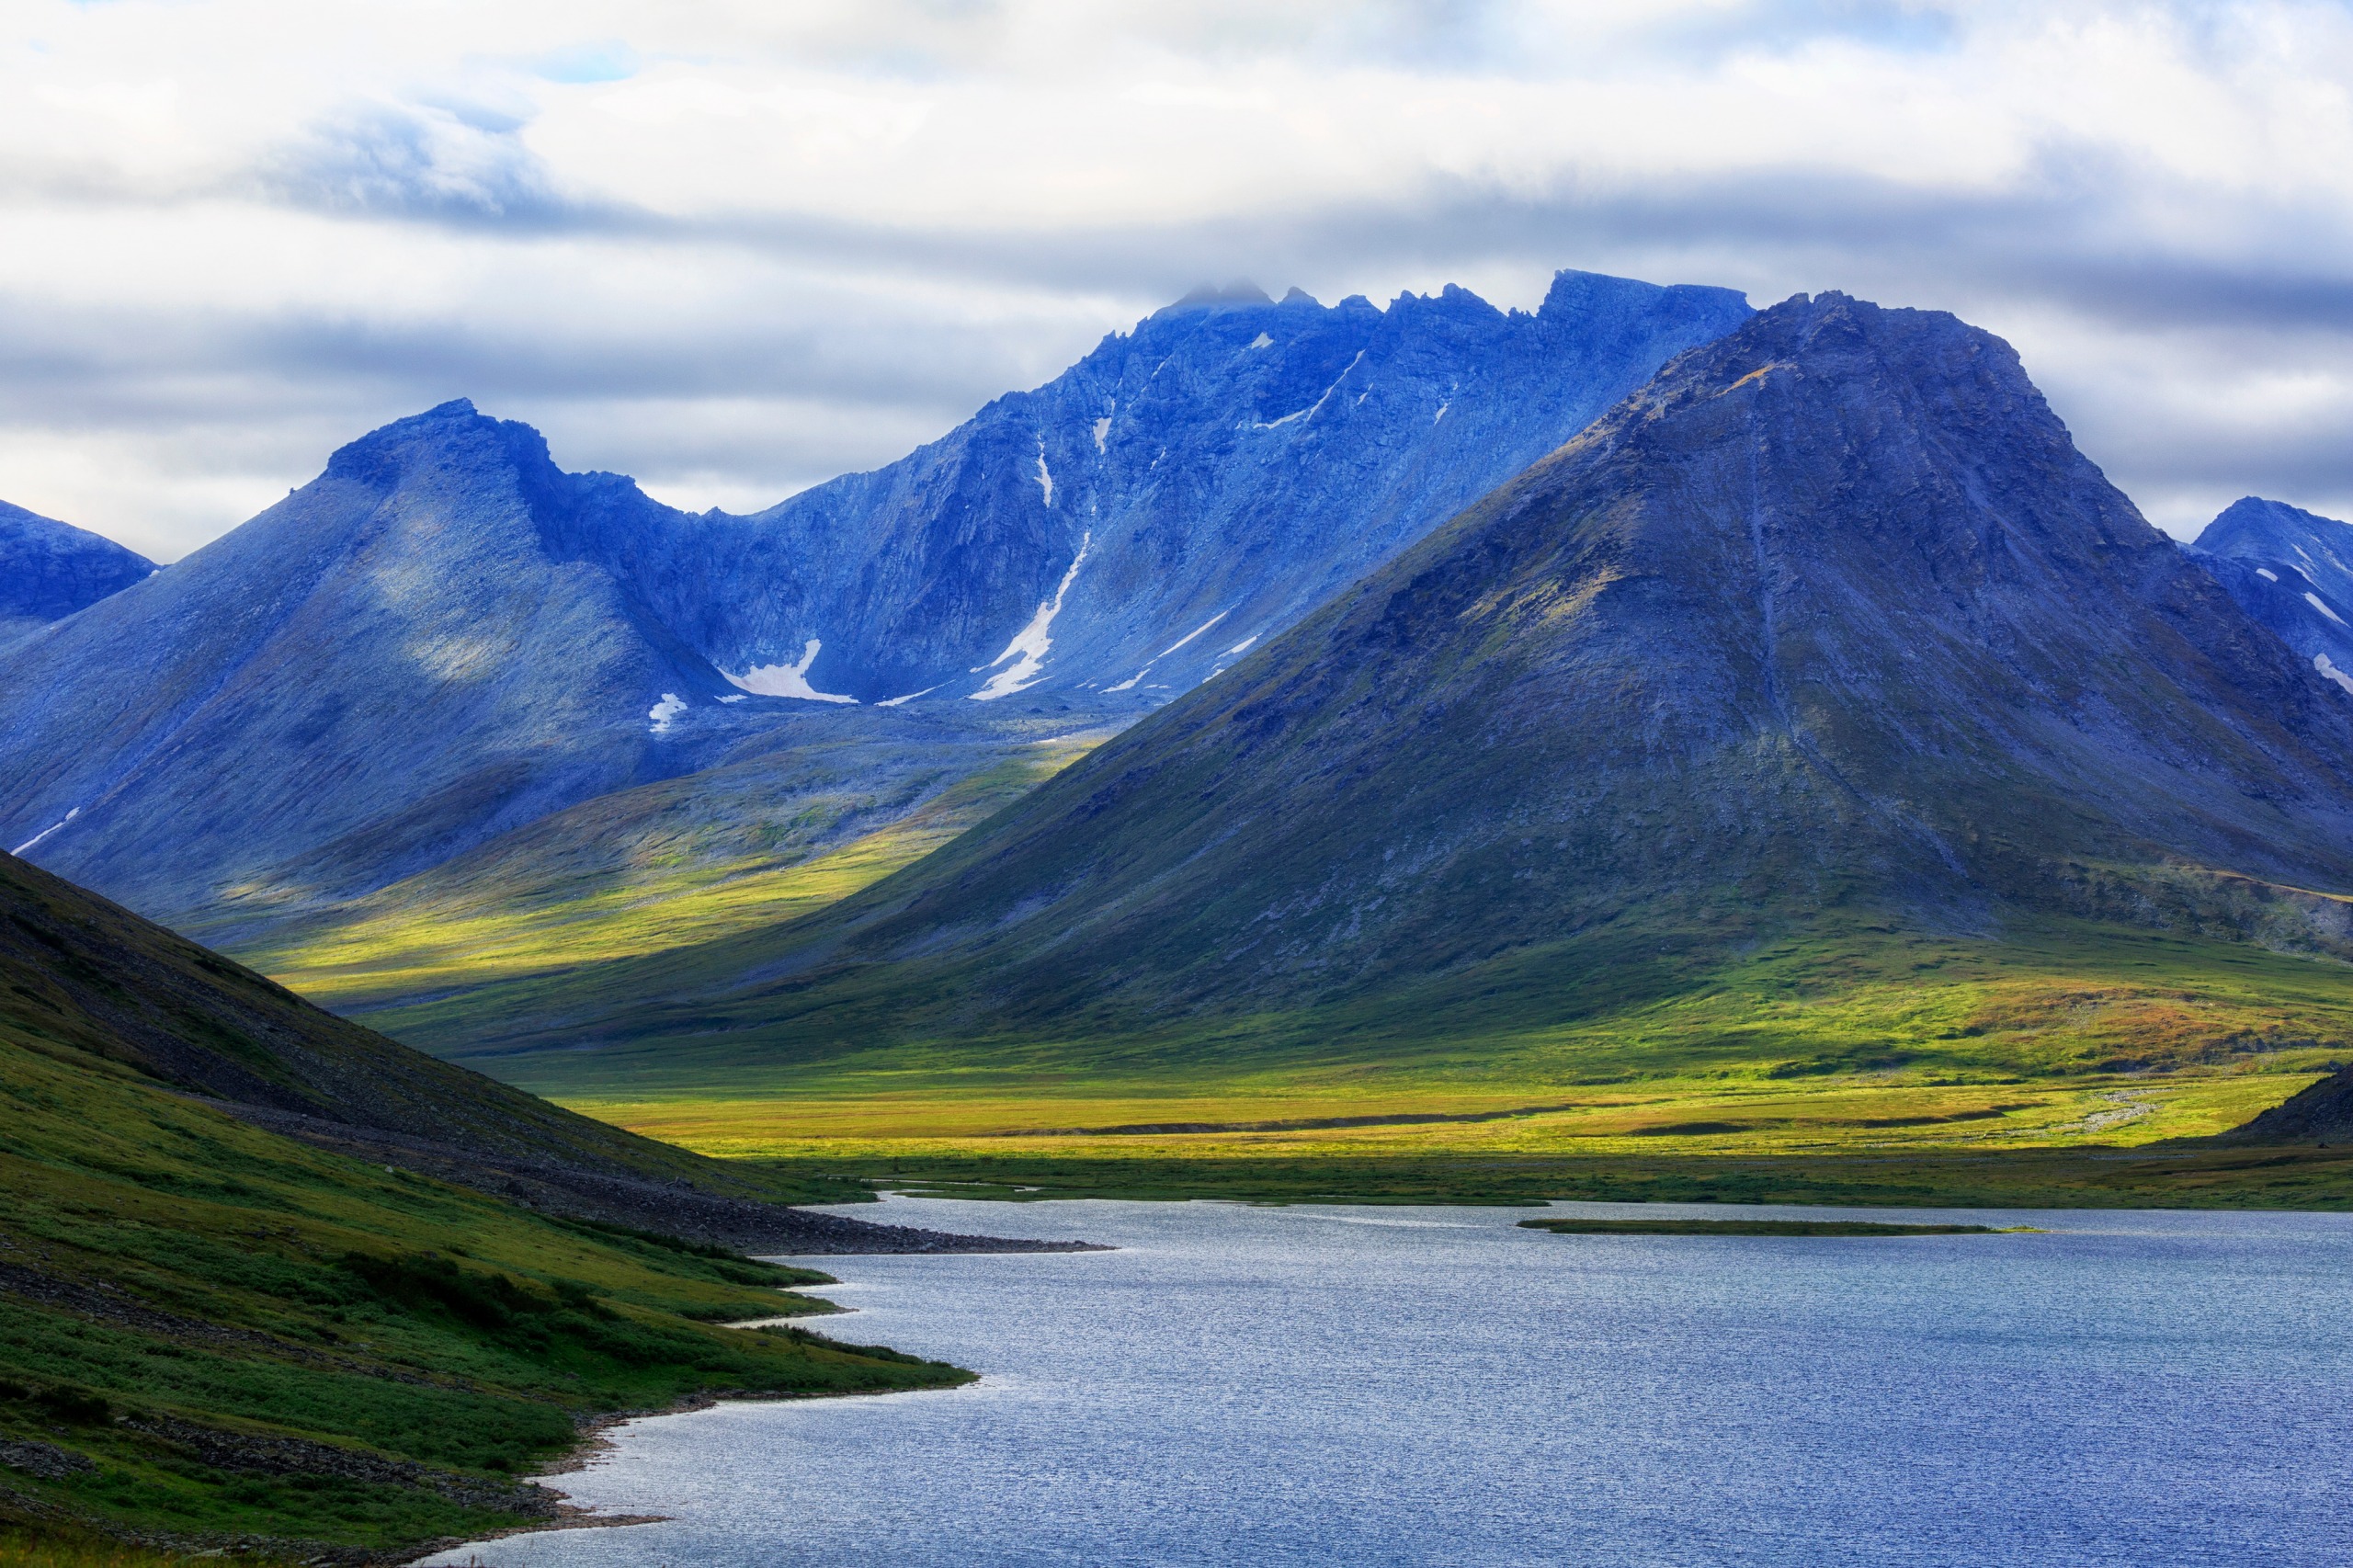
(1187, 489)
(1830, 621)
(48, 570)
(445, 637)
(2291, 570)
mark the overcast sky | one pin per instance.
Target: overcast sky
(736, 247)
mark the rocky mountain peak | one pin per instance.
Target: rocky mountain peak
(451, 435)
(2291, 570)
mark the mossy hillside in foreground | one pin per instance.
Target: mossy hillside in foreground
(210, 1332)
(67, 1548)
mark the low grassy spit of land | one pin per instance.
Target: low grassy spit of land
(1576, 1227)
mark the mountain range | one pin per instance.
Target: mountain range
(1824, 628)
(445, 638)
(1827, 630)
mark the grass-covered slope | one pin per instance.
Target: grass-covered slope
(97, 979)
(210, 1331)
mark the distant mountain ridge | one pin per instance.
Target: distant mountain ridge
(1831, 619)
(1188, 487)
(2291, 570)
(445, 637)
(48, 570)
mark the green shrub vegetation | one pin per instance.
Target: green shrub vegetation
(210, 1334)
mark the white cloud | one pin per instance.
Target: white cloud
(733, 246)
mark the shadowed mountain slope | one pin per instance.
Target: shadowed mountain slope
(1830, 621)
(2291, 570)
(48, 570)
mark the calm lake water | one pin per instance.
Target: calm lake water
(1435, 1386)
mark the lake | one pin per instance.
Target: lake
(1320, 1385)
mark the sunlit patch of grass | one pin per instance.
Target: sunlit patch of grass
(1660, 1117)
(2082, 1042)
(437, 930)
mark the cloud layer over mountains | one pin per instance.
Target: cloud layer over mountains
(737, 249)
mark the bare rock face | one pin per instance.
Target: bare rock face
(48, 570)
(1832, 614)
(1186, 490)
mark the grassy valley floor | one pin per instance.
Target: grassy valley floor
(2079, 1069)
(2102, 1142)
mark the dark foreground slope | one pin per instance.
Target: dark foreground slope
(210, 1332)
(1829, 629)
(95, 980)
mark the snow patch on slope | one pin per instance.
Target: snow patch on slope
(2266, 573)
(1190, 636)
(1045, 474)
(2314, 600)
(2320, 662)
(52, 827)
(1309, 411)
(1028, 648)
(662, 713)
(786, 680)
(1103, 429)
(1129, 684)
(895, 701)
